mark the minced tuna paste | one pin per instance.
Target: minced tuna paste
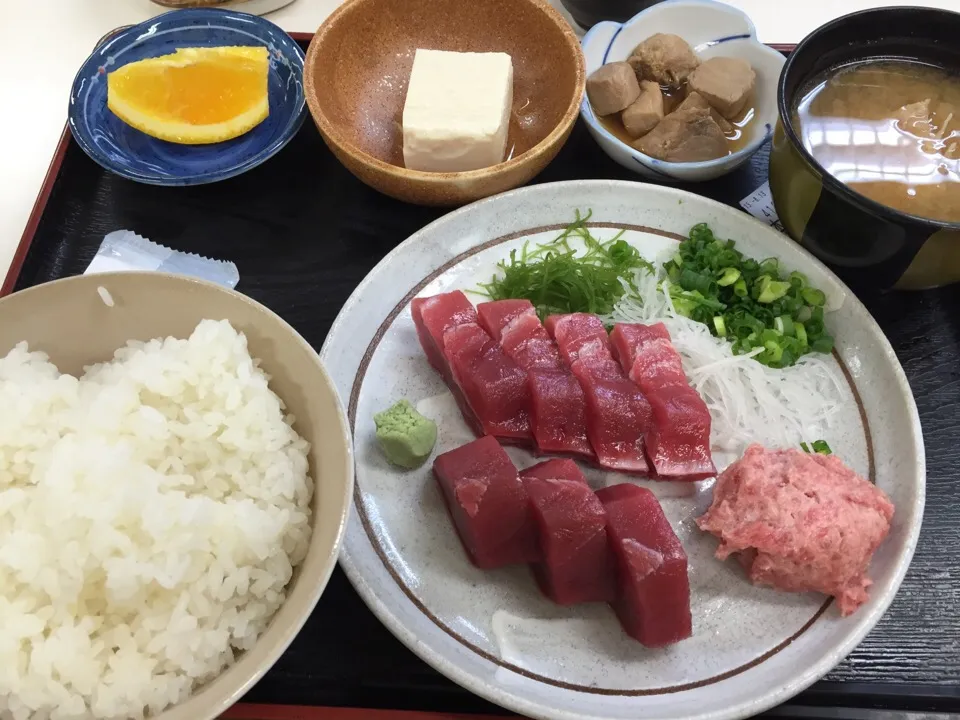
(801, 522)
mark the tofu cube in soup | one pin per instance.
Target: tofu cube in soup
(612, 88)
(689, 135)
(645, 112)
(727, 84)
(456, 114)
(664, 58)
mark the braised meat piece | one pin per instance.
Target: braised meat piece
(645, 112)
(666, 59)
(727, 84)
(612, 88)
(689, 135)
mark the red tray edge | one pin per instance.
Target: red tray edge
(241, 711)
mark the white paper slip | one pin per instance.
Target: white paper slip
(759, 203)
(124, 250)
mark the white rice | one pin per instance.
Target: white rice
(151, 515)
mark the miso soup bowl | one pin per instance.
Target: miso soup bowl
(868, 244)
(713, 29)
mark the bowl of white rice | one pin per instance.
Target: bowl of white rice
(175, 476)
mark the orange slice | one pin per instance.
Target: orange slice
(194, 96)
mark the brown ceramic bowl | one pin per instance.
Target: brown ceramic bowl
(69, 321)
(356, 72)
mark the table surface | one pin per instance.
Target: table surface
(43, 42)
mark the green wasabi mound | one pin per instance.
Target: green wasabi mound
(406, 436)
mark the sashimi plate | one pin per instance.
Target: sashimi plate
(493, 632)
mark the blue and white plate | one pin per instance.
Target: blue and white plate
(132, 154)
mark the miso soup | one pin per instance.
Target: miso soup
(889, 129)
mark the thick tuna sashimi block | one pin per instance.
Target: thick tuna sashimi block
(677, 440)
(433, 316)
(557, 406)
(577, 565)
(801, 522)
(653, 602)
(494, 385)
(488, 503)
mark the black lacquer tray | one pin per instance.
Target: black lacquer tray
(304, 233)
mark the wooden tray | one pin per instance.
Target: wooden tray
(304, 233)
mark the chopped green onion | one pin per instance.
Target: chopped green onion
(812, 296)
(691, 280)
(772, 290)
(729, 277)
(801, 332)
(720, 326)
(784, 325)
(820, 446)
(754, 304)
(805, 447)
(823, 344)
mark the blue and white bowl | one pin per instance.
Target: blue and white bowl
(713, 29)
(132, 154)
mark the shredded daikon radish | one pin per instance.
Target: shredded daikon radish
(748, 402)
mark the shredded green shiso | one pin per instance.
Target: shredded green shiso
(748, 302)
(557, 278)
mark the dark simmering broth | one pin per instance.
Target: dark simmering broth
(889, 129)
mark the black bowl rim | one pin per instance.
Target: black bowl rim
(862, 202)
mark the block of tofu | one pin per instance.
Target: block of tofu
(457, 111)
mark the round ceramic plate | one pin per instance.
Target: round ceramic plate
(126, 151)
(493, 632)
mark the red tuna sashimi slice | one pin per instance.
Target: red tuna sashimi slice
(515, 325)
(579, 334)
(558, 412)
(678, 440)
(488, 503)
(577, 565)
(494, 385)
(618, 414)
(557, 405)
(653, 602)
(433, 316)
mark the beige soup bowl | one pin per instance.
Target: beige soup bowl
(69, 321)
